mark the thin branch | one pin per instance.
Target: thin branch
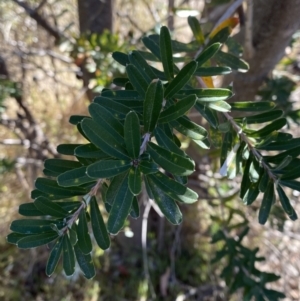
(34, 14)
(249, 49)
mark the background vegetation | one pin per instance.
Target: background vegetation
(52, 63)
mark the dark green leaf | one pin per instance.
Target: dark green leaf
(209, 114)
(196, 29)
(250, 106)
(85, 263)
(220, 37)
(245, 180)
(181, 79)
(293, 152)
(152, 105)
(147, 167)
(114, 187)
(291, 184)
(268, 129)
(76, 119)
(226, 147)
(251, 194)
(14, 237)
(232, 61)
(285, 203)
(106, 119)
(120, 81)
(121, 207)
(135, 209)
(170, 161)
(74, 177)
(166, 204)
(291, 174)
(103, 139)
(166, 52)
(84, 240)
(212, 71)
(208, 53)
(60, 165)
(281, 144)
(254, 171)
(164, 140)
(108, 168)
(141, 64)
(132, 135)
(121, 58)
(36, 240)
(137, 79)
(152, 46)
(29, 209)
(135, 180)
(50, 208)
(54, 256)
(267, 201)
(67, 149)
(189, 128)
(173, 188)
(34, 226)
(90, 151)
(207, 95)
(263, 182)
(261, 118)
(52, 189)
(177, 109)
(98, 226)
(68, 256)
(122, 96)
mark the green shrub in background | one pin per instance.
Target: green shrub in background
(132, 143)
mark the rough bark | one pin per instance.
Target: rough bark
(274, 23)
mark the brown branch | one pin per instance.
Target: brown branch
(34, 14)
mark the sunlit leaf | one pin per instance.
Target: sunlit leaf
(207, 54)
(228, 23)
(196, 29)
(250, 106)
(212, 71)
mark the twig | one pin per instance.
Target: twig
(144, 249)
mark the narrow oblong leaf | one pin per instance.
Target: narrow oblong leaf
(208, 53)
(277, 159)
(152, 105)
(67, 149)
(132, 135)
(103, 139)
(36, 240)
(281, 144)
(108, 168)
(170, 161)
(166, 52)
(68, 256)
(135, 209)
(114, 187)
(263, 182)
(267, 202)
(54, 256)
(245, 180)
(212, 71)
(196, 29)
(74, 177)
(14, 237)
(207, 94)
(250, 106)
(220, 37)
(117, 108)
(61, 165)
(291, 184)
(50, 208)
(29, 209)
(181, 79)
(268, 129)
(173, 188)
(251, 194)
(232, 61)
(165, 203)
(84, 239)
(292, 174)
(120, 208)
(152, 46)
(106, 119)
(261, 118)
(221, 106)
(137, 80)
(34, 226)
(189, 128)
(85, 263)
(148, 167)
(98, 226)
(90, 151)
(285, 203)
(135, 180)
(177, 109)
(209, 114)
(121, 58)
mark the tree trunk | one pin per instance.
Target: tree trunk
(95, 15)
(274, 23)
